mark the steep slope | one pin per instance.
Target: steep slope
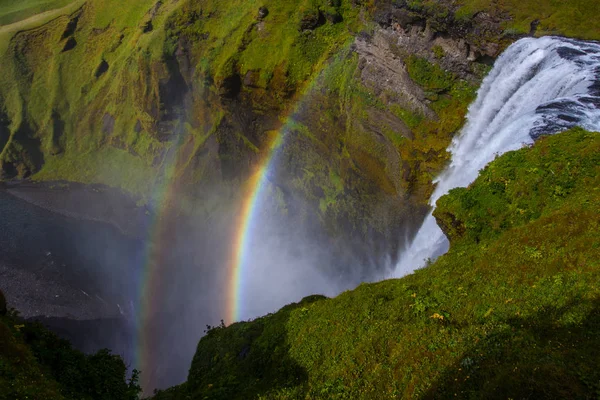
(510, 312)
(140, 94)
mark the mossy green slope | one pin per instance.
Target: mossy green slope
(13, 11)
(573, 18)
(90, 94)
(142, 94)
(511, 311)
(36, 364)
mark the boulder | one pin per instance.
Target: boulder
(311, 20)
(262, 13)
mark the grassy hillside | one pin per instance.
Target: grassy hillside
(573, 18)
(91, 92)
(12, 11)
(510, 312)
(35, 364)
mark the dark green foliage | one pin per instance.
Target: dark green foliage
(429, 76)
(246, 359)
(39, 365)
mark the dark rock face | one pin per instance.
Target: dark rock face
(230, 87)
(23, 155)
(453, 228)
(101, 70)
(70, 44)
(262, 13)
(482, 34)
(311, 20)
(71, 27)
(148, 27)
(108, 124)
(333, 17)
(3, 309)
(4, 130)
(58, 129)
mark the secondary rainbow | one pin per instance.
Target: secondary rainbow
(152, 263)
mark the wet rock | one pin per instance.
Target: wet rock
(533, 27)
(147, 27)
(311, 20)
(251, 79)
(262, 13)
(569, 53)
(108, 124)
(333, 17)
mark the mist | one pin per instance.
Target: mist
(288, 257)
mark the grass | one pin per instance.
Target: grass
(512, 315)
(574, 18)
(12, 11)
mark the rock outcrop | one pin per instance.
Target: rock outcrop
(3, 308)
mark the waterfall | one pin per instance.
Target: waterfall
(537, 87)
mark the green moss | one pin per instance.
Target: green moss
(574, 18)
(109, 166)
(429, 76)
(118, 113)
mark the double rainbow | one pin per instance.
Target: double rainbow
(237, 265)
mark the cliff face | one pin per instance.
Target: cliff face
(191, 93)
(194, 92)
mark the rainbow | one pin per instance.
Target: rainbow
(152, 264)
(244, 223)
(149, 294)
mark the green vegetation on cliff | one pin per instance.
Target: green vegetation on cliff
(140, 94)
(13, 11)
(511, 311)
(36, 364)
(573, 18)
(96, 92)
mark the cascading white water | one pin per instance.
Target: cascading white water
(537, 87)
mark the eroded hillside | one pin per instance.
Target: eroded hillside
(367, 95)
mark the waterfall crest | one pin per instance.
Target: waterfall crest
(536, 87)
